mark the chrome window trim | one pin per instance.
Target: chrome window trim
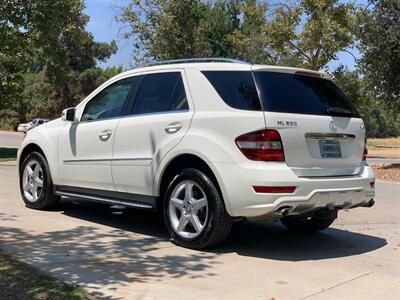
(137, 115)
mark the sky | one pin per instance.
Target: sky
(105, 29)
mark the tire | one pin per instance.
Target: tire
(45, 196)
(213, 219)
(307, 224)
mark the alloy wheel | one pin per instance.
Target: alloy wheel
(188, 209)
(32, 181)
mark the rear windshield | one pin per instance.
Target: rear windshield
(281, 92)
(291, 93)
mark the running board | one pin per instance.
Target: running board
(107, 200)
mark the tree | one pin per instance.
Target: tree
(380, 45)
(165, 29)
(249, 38)
(44, 50)
(379, 119)
(313, 31)
(175, 29)
(24, 28)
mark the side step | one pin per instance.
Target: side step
(133, 204)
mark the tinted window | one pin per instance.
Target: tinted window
(109, 102)
(179, 100)
(159, 93)
(297, 94)
(236, 88)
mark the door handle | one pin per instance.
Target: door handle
(173, 127)
(105, 135)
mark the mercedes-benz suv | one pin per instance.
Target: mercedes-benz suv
(207, 142)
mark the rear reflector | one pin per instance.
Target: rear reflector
(274, 189)
(263, 145)
(365, 154)
(372, 184)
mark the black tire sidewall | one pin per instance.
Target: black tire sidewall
(48, 190)
(315, 224)
(209, 189)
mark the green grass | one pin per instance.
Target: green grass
(372, 144)
(8, 154)
(19, 280)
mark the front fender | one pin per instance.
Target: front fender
(46, 138)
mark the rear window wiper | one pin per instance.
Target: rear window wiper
(337, 110)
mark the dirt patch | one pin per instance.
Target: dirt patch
(387, 172)
(384, 152)
(384, 148)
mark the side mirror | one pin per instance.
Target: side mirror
(68, 114)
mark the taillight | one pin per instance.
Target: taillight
(365, 150)
(263, 145)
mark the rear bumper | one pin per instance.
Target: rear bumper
(310, 194)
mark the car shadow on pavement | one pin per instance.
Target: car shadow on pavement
(274, 241)
(133, 247)
(262, 240)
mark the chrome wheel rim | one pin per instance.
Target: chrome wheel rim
(188, 209)
(32, 181)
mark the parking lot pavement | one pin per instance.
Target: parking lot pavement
(126, 254)
(11, 139)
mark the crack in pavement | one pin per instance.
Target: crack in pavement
(334, 286)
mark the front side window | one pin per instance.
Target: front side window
(160, 92)
(109, 102)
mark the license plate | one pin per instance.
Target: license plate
(330, 149)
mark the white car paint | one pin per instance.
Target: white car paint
(134, 158)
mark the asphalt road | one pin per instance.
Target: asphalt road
(11, 139)
(126, 254)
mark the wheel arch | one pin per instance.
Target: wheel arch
(182, 161)
(29, 148)
(32, 146)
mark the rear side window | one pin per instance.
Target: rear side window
(236, 88)
(291, 93)
(160, 92)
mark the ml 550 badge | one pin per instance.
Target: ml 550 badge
(286, 123)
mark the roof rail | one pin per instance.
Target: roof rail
(198, 60)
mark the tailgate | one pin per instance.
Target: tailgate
(317, 146)
(321, 131)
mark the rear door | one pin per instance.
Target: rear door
(322, 133)
(159, 118)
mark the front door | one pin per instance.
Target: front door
(86, 147)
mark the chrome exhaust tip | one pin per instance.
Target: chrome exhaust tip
(285, 212)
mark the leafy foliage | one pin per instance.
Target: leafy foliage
(45, 51)
(313, 31)
(192, 28)
(380, 44)
(380, 120)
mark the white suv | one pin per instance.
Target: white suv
(207, 141)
